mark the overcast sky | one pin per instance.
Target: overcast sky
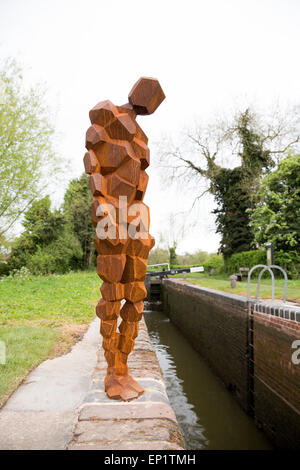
(209, 55)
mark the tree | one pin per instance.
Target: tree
(77, 213)
(247, 140)
(172, 255)
(26, 151)
(158, 255)
(47, 244)
(276, 217)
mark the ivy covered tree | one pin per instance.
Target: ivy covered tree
(251, 147)
(276, 217)
(235, 189)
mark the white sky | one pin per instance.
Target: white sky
(207, 55)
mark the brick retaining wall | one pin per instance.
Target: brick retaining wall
(263, 378)
(276, 378)
(147, 423)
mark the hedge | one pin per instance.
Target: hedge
(245, 259)
(288, 260)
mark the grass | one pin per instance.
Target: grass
(26, 347)
(222, 283)
(51, 300)
(42, 317)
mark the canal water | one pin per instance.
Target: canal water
(208, 415)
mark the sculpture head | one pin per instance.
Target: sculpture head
(146, 95)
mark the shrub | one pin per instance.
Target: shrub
(41, 262)
(288, 260)
(4, 269)
(245, 259)
(215, 262)
(22, 273)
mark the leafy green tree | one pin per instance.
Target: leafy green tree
(47, 244)
(26, 151)
(173, 255)
(77, 213)
(40, 225)
(276, 217)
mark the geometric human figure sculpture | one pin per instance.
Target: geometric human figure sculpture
(116, 159)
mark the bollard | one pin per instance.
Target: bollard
(233, 279)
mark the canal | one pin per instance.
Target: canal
(208, 415)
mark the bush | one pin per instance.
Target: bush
(215, 262)
(288, 260)
(245, 259)
(41, 262)
(57, 257)
(22, 273)
(4, 269)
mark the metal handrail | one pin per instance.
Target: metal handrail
(249, 276)
(285, 279)
(264, 269)
(267, 268)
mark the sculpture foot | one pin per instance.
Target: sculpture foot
(122, 387)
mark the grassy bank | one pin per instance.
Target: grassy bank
(223, 283)
(42, 317)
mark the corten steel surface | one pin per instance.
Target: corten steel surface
(117, 158)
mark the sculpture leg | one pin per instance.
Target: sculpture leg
(132, 311)
(108, 312)
(110, 268)
(131, 314)
(118, 383)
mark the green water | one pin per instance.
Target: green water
(207, 413)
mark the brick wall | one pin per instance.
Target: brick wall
(216, 325)
(263, 377)
(276, 378)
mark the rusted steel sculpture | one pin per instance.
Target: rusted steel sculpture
(116, 159)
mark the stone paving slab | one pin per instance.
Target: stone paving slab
(149, 397)
(125, 445)
(119, 411)
(35, 430)
(146, 423)
(132, 430)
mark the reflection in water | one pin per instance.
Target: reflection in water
(208, 415)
